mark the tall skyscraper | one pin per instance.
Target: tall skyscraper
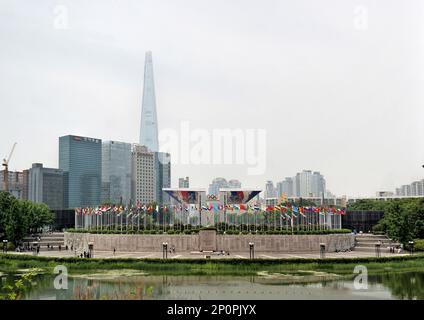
(116, 172)
(149, 125)
(81, 160)
(45, 185)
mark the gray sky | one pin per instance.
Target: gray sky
(335, 94)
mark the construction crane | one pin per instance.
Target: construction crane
(6, 169)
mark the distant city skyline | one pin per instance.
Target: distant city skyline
(343, 100)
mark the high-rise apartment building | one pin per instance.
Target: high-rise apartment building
(80, 158)
(285, 187)
(317, 184)
(414, 189)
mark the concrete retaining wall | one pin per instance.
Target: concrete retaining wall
(232, 243)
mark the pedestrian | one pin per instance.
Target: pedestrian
(114, 251)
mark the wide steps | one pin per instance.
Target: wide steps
(372, 244)
(51, 239)
(371, 239)
(368, 249)
(371, 236)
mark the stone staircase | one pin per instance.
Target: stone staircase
(366, 243)
(48, 241)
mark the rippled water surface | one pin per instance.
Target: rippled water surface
(136, 285)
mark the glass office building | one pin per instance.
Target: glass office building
(162, 168)
(116, 172)
(45, 185)
(81, 160)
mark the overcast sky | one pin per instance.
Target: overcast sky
(338, 85)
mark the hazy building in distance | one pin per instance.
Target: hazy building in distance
(184, 182)
(143, 175)
(270, 191)
(216, 184)
(279, 188)
(15, 183)
(25, 184)
(406, 190)
(417, 188)
(414, 189)
(317, 184)
(116, 172)
(286, 187)
(234, 183)
(305, 183)
(384, 194)
(80, 158)
(45, 185)
(149, 124)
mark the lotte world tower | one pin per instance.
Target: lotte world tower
(149, 124)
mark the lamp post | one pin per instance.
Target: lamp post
(322, 250)
(378, 250)
(91, 250)
(5, 246)
(165, 250)
(411, 247)
(252, 250)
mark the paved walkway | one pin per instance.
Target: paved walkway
(189, 255)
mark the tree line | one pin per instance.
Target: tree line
(403, 218)
(19, 218)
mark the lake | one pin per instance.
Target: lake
(303, 285)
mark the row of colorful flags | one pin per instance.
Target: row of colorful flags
(284, 209)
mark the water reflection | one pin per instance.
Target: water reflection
(384, 286)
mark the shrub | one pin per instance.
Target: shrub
(419, 245)
(378, 228)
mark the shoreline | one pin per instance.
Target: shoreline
(10, 263)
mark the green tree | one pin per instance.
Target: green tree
(18, 218)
